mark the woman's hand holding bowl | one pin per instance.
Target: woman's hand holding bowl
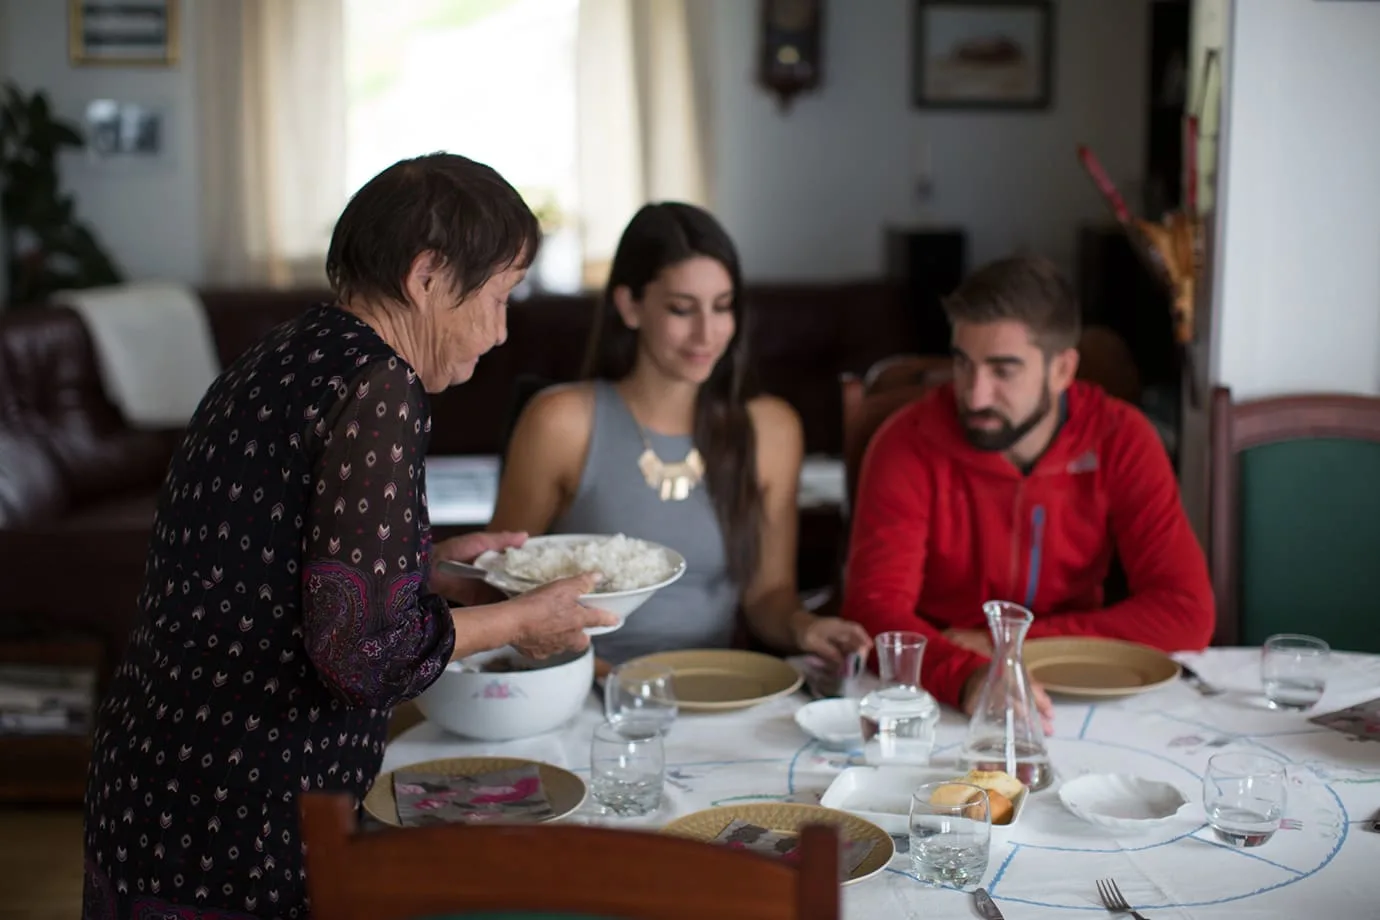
(550, 619)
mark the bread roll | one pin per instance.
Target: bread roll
(995, 781)
(1002, 809)
(953, 794)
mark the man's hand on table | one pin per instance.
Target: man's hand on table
(1043, 703)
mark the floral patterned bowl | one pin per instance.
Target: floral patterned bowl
(501, 694)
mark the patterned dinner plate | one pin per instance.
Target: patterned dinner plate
(789, 817)
(564, 790)
(718, 680)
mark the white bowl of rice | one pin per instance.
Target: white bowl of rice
(631, 570)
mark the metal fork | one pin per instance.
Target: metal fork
(1202, 686)
(1111, 897)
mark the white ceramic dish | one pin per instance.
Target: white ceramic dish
(619, 603)
(834, 723)
(1126, 804)
(882, 795)
(502, 705)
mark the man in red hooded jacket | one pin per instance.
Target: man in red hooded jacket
(1018, 483)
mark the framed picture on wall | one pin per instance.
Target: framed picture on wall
(122, 32)
(982, 54)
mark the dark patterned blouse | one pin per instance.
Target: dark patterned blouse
(284, 612)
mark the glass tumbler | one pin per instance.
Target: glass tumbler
(950, 834)
(1293, 669)
(627, 765)
(1244, 796)
(640, 692)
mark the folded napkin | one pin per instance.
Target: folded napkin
(740, 835)
(504, 795)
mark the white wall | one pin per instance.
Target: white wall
(1300, 197)
(805, 194)
(146, 216)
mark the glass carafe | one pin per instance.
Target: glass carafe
(899, 718)
(1005, 732)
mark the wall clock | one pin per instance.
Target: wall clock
(790, 58)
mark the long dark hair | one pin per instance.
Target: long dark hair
(659, 236)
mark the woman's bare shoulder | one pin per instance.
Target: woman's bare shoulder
(772, 418)
(561, 407)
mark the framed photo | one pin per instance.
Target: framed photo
(123, 32)
(982, 54)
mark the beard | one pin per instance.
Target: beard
(1008, 433)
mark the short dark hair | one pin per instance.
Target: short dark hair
(1027, 289)
(463, 211)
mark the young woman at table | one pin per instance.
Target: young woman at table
(665, 441)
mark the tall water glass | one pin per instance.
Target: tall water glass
(627, 765)
(641, 692)
(1293, 669)
(1244, 796)
(950, 840)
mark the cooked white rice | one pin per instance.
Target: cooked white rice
(626, 564)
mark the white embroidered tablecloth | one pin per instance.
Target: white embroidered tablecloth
(1321, 864)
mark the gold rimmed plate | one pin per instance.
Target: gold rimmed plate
(789, 818)
(718, 680)
(564, 790)
(1097, 667)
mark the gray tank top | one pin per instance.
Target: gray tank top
(699, 610)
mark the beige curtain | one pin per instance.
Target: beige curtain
(639, 135)
(272, 116)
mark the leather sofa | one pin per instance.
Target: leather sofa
(78, 486)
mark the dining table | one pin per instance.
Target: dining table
(1324, 862)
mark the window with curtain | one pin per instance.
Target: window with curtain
(494, 80)
(588, 107)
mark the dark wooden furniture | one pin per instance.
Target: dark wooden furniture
(927, 264)
(1295, 518)
(553, 870)
(48, 768)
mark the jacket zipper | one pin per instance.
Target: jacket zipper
(1037, 545)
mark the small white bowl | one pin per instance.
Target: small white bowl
(834, 723)
(502, 705)
(618, 603)
(1129, 804)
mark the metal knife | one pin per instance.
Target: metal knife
(985, 905)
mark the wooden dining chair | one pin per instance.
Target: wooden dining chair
(1295, 518)
(553, 872)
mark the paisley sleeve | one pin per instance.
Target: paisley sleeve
(376, 636)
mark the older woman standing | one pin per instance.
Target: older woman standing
(287, 605)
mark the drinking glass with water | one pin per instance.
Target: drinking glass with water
(1244, 796)
(950, 834)
(641, 692)
(627, 764)
(1294, 671)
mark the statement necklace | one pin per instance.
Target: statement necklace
(673, 482)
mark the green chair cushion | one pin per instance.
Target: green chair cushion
(1309, 551)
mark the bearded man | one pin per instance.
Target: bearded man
(1017, 482)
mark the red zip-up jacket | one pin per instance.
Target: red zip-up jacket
(940, 527)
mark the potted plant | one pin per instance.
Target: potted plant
(46, 249)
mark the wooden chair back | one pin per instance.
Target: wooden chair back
(553, 870)
(1295, 518)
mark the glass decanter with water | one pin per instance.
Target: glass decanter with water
(1005, 732)
(899, 718)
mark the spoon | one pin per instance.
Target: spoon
(466, 570)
